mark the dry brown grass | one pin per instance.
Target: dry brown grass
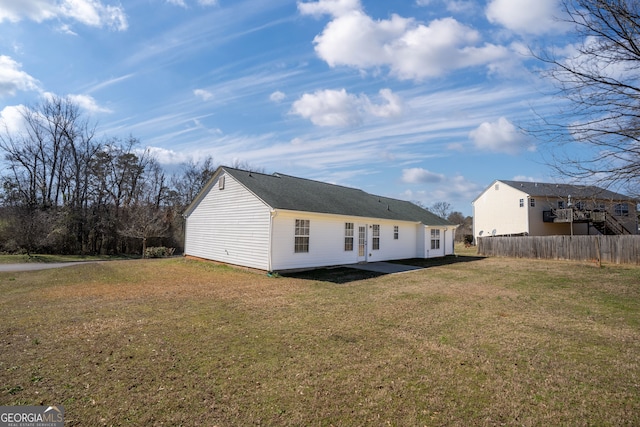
(178, 342)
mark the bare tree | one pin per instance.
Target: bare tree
(442, 209)
(48, 165)
(145, 221)
(192, 178)
(601, 82)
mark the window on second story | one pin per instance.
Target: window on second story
(560, 204)
(522, 203)
(532, 202)
(395, 232)
(621, 209)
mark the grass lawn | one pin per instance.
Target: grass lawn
(177, 342)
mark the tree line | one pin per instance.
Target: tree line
(65, 190)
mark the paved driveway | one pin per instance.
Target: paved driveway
(384, 267)
(33, 266)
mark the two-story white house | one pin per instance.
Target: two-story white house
(513, 208)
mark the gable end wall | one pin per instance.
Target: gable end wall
(500, 210)
(229, 225)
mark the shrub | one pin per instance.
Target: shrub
(158, 252)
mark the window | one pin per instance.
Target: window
(435, 239)
(376, 237)
(560, 204)
(522, 203)
(622, 209)
(581, 206)
(348, 236)
(302, 236)
(396, 232)
(532, 202)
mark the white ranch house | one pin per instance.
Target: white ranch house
(279, 222)
(516, 208)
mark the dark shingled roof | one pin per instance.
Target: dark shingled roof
(282, 191)
(564, 190)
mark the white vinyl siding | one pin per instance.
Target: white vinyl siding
(327, 234)
(229, 225)
(497, 211)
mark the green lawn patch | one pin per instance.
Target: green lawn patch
(489, 342)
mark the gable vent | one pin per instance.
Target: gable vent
(221, 183)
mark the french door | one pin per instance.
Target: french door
(362, 243)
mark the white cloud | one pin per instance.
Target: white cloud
(454, 6)
(277, 96)
(88, 103)
(13, 79)
(66, 29)
(205, 95)
(329, 108)
(331, 7)
(36, 10)
(409, 49)
(340, 108)
(456, 190)
(461, 6)
(88, 12)
(11, 119)
(526, 178)
(183, 3)
(500, 136)
(420, 176)
(455, 146)
(167, 157)
(526, 16)
(393, 106)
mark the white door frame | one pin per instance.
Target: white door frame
(363, 240)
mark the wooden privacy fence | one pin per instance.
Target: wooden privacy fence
(612, 249)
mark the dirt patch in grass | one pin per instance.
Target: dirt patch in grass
(179, 342)
(338, 275)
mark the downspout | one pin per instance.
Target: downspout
(427, 241)
(274, 213)
(444, 240)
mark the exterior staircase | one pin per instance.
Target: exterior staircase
(610, 226)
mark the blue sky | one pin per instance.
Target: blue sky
(419, 100)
